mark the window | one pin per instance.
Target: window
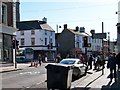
(89, 39)
(4, 14)
(22, 41)
(51, 33)
(32, 41)
(45, 32)
(50, 40)
(77, 44)
(22, 33)
(45, 41)
(32, 32)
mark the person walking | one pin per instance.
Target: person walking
(58, 58)
(112, 61)
(40, 59)
(82, 59)
(98, 63)
(90, 61)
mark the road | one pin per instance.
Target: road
(30, 77)
(35, 78)
(24, 78)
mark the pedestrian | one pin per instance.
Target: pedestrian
(82, 59)
(118, 60)
(58, 58)
(98, 63)
(112, 61)
(95, 63)
(90, 61)
(40, 59)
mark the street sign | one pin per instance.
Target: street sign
(99, 35)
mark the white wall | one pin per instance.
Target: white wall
(39, 38)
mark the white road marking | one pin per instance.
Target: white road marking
(29, 73)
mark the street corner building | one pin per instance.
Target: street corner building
(9, 15)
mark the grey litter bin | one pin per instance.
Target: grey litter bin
(59, 76)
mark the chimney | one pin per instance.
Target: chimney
(44, 19)
(65, 26)
(82, 29)
(77, 29)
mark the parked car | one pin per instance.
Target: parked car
(78, 67)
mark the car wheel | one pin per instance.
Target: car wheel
(85, 71)
(79, 73)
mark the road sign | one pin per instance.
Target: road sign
(99, 35)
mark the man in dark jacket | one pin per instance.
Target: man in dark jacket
(90, 61)
(112, 61)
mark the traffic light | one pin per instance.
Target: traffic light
(17, 44)
(13, 44)
(85, 41)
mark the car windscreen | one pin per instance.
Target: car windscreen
(67, 61)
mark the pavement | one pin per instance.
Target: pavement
(95, 81)
(11, 67)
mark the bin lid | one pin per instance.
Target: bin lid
(59, 65)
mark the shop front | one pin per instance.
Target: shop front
(6, 49)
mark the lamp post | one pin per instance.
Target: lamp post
(109, 42)
(57, 27)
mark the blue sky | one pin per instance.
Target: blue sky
(83, 13)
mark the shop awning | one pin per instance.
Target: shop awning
(78, 50)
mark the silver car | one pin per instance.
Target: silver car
(78, 67)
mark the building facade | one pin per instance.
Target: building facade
(70, 41)
(37, 35)
(118, 28)
(7, 28)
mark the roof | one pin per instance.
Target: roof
(78, 33)
(33, 25)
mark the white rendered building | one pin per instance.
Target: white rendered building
(37, 35)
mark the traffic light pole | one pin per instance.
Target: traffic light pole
(14, 54)
(102, 50)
